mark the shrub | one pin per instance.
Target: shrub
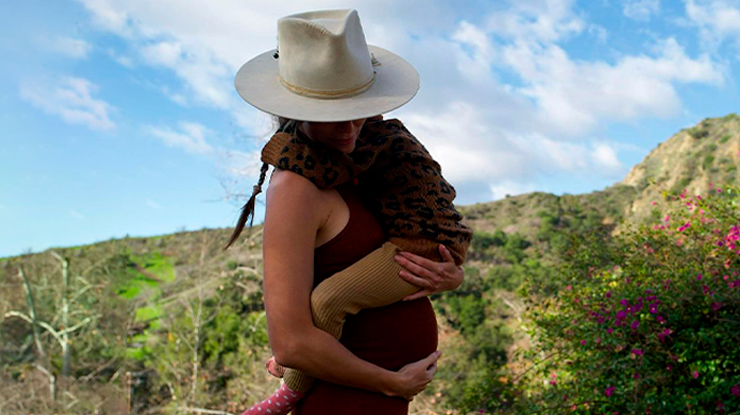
(698, 132)
(645, 322)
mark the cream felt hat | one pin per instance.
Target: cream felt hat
(323, 70)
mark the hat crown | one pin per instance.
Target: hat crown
(324, 54)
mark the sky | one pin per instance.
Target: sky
(119, 117)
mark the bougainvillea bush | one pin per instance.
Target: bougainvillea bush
(646, 322)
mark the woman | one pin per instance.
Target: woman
(304, 223)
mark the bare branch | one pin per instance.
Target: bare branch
(19, 315)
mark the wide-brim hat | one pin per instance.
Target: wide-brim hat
(323, 70)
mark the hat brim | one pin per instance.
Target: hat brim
(396, 82)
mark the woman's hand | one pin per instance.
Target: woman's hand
(414, 377)
(432, 277)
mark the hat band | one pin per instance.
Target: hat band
(328, 94)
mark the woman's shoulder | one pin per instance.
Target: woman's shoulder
(289, 189)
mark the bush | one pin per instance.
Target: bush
(698, 132)
(645, 322)
(484, 240)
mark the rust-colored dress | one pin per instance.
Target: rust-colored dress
(390, 336)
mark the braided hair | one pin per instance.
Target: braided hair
(284, 125)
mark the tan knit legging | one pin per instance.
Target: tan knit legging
(371, 282)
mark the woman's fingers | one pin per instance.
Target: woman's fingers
(427, 270)
(432, 358)
(417, 295)
(419, 261)
(415, 279)
(446, 255)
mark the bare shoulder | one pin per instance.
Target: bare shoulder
(286, 184)
(288, 190)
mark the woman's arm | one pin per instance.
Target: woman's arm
(432, 277)
(295, 212)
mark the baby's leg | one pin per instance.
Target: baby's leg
(371, 282)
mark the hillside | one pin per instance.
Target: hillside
(692, 159)
(174, 322)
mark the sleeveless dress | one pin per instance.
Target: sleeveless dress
(390, 337)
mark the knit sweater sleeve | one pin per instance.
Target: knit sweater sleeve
(324, 166)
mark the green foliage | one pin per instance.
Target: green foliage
(515, 246)
(484, 240)
(645, 322)
(698, 132)
(707, 162)
(681, 184)
(144, 273)
(724, 138)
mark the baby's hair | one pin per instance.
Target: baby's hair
(284, 125)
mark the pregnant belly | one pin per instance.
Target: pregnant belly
(389, 337)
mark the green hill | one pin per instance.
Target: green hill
(173, 323)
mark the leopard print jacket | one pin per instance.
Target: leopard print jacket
(396, 175)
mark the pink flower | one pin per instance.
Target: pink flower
(568, 288)
(664, 334)
(583, 342)
(695, 374)
(716, 306)
(735, 390)
(635, 324)
(637, 352)
(609, 391)
(610, 330)
(698, 277)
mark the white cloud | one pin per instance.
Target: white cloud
(605, 156)
(121, 59)
(599, 32)
(484, 131)
(77, 215)
(240, 163)
(73, 48)
(574, 97)
(154, 205)
(535, 21)
(71, 100)
(641, 9)
(191, 137)
(466, 146)
(504, 188)
(719, 20)
(472, 149)
(475, 64)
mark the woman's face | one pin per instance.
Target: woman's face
(338, 135)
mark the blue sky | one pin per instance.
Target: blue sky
(120, 117)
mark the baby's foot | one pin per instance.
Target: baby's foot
(275, 368)
(280, 403)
